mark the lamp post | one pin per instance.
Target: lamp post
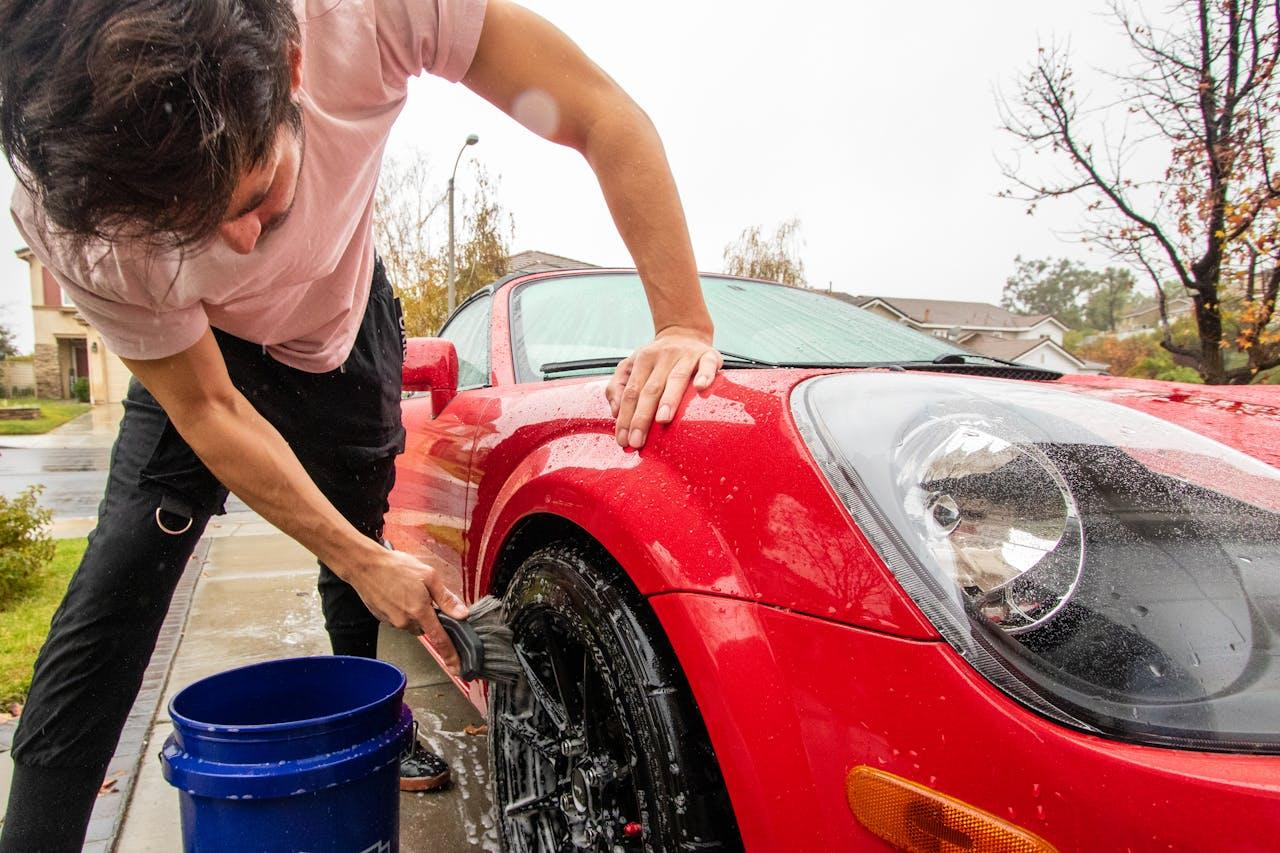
(472, 139)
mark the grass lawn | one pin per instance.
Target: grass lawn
(52, 413)
(25, 622)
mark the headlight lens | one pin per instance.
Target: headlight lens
(1106, 568)
(998, 520)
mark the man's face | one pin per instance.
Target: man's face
(264, 196)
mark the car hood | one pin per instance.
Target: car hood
(1246, 417)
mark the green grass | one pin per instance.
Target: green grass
(25, 621)
(52, 413)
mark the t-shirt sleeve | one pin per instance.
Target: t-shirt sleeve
(137, 332)
(436, 36)
(133, 328)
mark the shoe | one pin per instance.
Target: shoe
(423, 770)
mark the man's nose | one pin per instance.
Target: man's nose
(242, 234)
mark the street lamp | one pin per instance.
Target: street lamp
(472, 139)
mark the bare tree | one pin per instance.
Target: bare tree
(1201, 91)
(774, 258)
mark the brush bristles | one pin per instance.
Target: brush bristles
(500, 663)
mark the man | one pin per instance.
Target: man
(199, 177)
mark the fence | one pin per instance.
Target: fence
(17, 378)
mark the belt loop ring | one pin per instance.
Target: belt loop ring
(160, 524)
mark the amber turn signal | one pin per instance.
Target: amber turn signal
(918, 819)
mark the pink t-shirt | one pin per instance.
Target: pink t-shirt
(302, 292)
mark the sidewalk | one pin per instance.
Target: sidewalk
(95, 429)
(249, 595)
(255, 599)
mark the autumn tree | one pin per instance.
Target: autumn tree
(1200, 96)
(410, 228)
(774, 257)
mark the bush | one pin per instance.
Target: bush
(25, 543)
(81, 389)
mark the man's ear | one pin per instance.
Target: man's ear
(295, 68)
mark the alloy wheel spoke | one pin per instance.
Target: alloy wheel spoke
(528, 806)
(521, 728)
(543, 696)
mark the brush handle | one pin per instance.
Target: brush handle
(468, 644)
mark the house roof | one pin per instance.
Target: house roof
(535, 261)
(949, 312)
(1151, 304)
(1011, 349)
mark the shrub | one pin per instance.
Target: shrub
(25, 543)
(81, 389)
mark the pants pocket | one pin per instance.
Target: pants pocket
(187, 489)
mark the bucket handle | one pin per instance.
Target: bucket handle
(408, 753)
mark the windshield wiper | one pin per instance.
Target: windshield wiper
(731, 360)
(951, 362)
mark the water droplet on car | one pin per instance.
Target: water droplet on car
(1156, 670)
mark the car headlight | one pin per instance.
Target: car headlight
(1108, 569)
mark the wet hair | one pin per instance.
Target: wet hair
(135, 119)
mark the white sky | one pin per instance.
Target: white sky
(873, 123)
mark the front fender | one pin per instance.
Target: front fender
(639, 513)
(724, 501)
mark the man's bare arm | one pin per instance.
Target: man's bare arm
(250, 458)
(532, 71)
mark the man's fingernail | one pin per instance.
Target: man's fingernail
(637, 438)
(664, 413)
(622, 437)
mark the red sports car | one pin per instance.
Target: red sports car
(868, 591)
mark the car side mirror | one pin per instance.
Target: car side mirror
(431, 364)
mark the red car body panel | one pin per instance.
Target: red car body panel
(805, 655)
(793, 702)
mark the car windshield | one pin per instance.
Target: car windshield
(605, 316)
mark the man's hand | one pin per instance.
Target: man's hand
(405, 592)
(648, 386)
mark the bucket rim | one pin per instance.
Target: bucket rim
(186, 723)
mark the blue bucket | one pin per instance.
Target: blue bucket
(291, 755)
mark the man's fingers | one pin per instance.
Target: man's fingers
(613, 392)
(708, 365)
(446, 599)
(677, 382)
(646, 405)
(429, 626)
(630, 398)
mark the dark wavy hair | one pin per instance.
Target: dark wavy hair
(135, 119)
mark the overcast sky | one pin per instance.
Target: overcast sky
(873, 123)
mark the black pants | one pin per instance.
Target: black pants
(344, 426)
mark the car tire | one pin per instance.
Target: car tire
(561, 770)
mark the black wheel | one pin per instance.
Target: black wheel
(601, 747)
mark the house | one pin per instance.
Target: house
(983, 328)
(535, 261)
(1146, 317)
(67, 348)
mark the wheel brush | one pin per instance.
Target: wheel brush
(486, 647)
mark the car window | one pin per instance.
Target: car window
(607, 316)
(469, 331)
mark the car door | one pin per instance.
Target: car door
(429, 504)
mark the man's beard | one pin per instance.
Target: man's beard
(294, 120)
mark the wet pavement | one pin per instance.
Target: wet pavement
(255, 599)
(70, 462)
